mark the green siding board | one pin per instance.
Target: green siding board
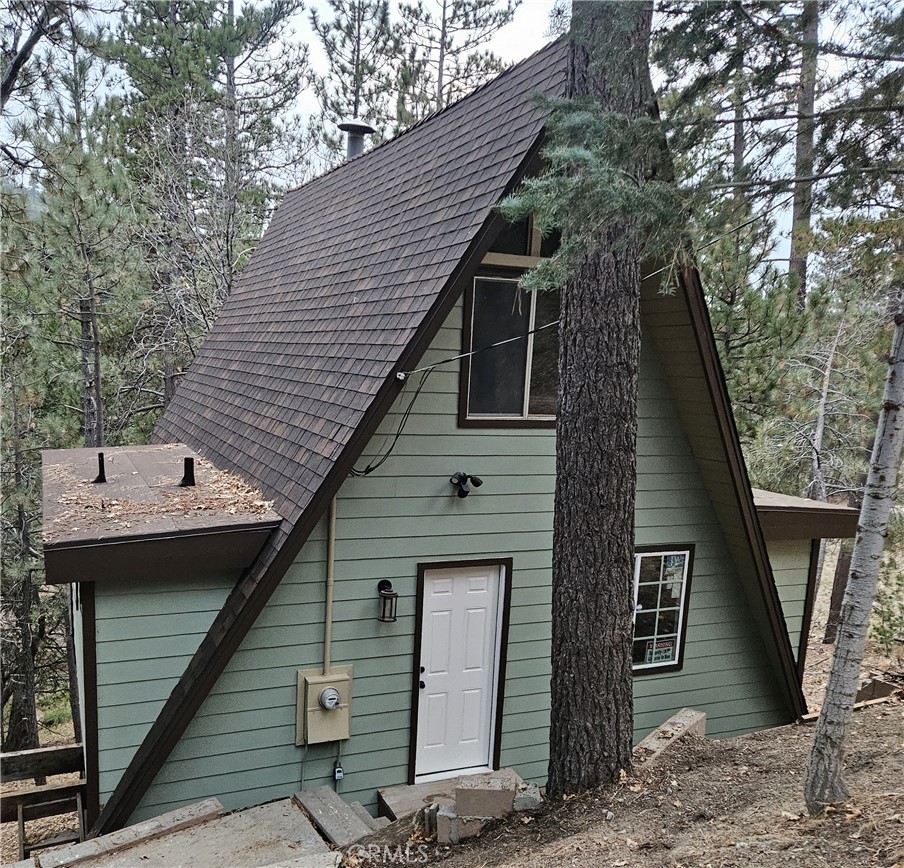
(123, 606)
(240, 747)
(157, 649)
(151, 626)
(790, 561)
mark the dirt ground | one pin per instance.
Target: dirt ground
(715, 804)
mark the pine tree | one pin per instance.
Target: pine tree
(444, 58)
(802, 208)
(208, 142)
(824, 784)
(362, 49)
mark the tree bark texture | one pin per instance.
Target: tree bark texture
(839, 586)
(802, 208)
(593, 528)
(92, 395)
(824, 784)
(22, 729)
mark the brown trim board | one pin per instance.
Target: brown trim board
(89, 674)
(715, 378)
(499, 706)
(255, 587)
(809, 602)
(788, 523)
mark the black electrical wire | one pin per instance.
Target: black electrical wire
(372, 467)
(754, 219)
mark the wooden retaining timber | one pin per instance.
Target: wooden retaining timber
(40, 762)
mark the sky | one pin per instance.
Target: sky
(526, 33)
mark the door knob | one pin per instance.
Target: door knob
(423, 685)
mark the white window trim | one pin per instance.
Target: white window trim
(661, 553)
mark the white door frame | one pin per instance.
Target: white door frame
(504, 566)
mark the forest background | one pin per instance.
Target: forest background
(145, 145)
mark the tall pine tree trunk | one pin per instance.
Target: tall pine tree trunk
(92, 393)
(441, 60)
(593, 528)
(802, 208)
(824, 784)
(18, 675)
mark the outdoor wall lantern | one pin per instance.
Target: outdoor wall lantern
(464, 482)
(388, 601)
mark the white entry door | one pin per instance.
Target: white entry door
(460, 644)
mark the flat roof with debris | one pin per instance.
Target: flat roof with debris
(142, 500)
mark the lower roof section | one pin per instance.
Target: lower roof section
(785, 517)
(142, 521)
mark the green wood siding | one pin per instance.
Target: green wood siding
(668, 327)
(790, 560)
(145, 637)
(240, 747)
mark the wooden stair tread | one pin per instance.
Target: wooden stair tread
(337, 822)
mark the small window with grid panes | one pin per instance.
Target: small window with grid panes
(661, 580)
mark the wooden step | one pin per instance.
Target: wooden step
(337, 822)
(70, 836)
(375, 823)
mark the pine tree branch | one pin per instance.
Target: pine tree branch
(793, 116)
(13, 158)
(818, 177)
(42, 28)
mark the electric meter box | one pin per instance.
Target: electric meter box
(323, 709)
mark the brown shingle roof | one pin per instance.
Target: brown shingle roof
(340, 283)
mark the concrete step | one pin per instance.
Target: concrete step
(337, 822)
(406, 800)
(317, 860)
(201, 836)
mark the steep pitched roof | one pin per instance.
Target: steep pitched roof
(345, 275)
(354, 275)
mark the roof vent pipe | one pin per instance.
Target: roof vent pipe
(101, 474)
(188, 475)
(357, 130)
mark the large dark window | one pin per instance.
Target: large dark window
(519, 379)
